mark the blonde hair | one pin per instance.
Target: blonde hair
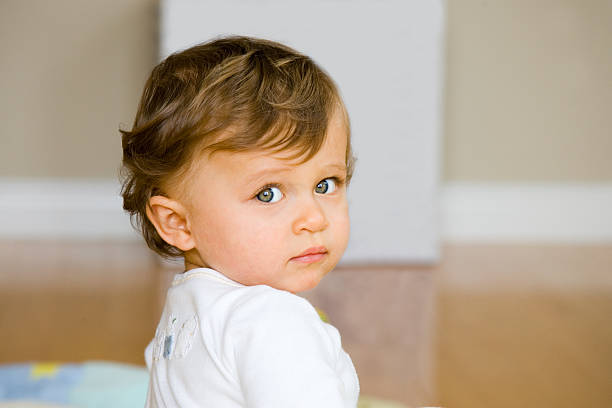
(234, 93)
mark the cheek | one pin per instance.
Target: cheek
(341, 226)
(344, 231)
(215, 232)
(243, 238)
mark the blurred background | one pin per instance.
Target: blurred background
(513, 310)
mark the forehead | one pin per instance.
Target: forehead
(333, 148)
(251, 163)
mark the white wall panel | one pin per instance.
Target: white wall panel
(386, 57)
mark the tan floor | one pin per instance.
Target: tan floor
(76, 302)
(491, 326)
(525, 326)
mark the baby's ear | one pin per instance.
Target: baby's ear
(169, 218)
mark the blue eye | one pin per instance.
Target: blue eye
(326, 186)
(269, 195)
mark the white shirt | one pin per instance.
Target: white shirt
(223, 344)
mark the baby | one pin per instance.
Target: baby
(238, 162)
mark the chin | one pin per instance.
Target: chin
(308, 283)
(304, 288)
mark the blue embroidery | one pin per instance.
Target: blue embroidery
(175, 339)
(168, 346)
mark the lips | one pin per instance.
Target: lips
(311, 255)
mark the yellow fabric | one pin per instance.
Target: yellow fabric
(322, 315)
(40, 370)
(371, 402)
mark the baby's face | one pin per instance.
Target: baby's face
(261, 219)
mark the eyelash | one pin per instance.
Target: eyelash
(338, 180)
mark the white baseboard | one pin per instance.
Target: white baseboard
(469, 212)
(526, 213)
(58, 209)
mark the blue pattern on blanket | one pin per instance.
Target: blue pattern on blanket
(90, 384)
(21, 381)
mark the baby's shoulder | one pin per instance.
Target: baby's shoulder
(265, 311)
(267, 320)
(263, 302)
(215, 298)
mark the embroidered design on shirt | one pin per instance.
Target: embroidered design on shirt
(168, 345)
(185, 335)
(175, 339)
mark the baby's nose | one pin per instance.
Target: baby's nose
(310, 217)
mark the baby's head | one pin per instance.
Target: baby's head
(238, 160)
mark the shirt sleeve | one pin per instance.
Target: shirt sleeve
(285, 355)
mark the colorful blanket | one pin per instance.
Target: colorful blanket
(92, 384)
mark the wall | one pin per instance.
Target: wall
(529, 90)
(528, 87)
(71, 72)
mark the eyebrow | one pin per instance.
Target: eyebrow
(283, 169)
(341, 167)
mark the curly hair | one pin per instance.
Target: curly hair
(231, 93)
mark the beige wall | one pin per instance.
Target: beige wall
(71, 72)
(528, 87)
(529, 90)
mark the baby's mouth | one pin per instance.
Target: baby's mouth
(311, 255)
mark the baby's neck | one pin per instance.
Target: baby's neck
(193, 261)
